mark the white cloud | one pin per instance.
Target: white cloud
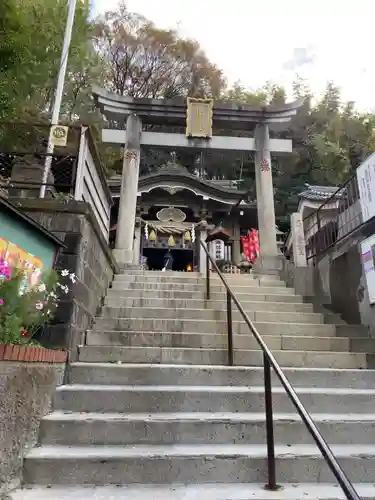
(256, 41)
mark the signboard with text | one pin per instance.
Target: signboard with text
(366, 186)
(368, 262)
(199, 118)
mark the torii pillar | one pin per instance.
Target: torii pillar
(269, 255)
(123, 251)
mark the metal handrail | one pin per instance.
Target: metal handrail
(268, 362)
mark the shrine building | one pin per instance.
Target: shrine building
(176, 210)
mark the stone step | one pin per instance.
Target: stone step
(265, 323)
(200, 287)
(187, 278)
(149, 374)
(190, 464)
(317, 359)
(73, 429)
(171, 398)
(213, 275)
(353, 331)
(118, 302)
(217, 341)
(259, 313)
(139, 272)
(120, 297)
(271, 328)
(174, 491)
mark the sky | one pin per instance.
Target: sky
(256, 41)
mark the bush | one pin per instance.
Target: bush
(25, 308)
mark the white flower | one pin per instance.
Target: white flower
(39, 306)
(64, 273)
(42, 287)
(52, 295)
(72, 278)
(65, 289)
(48, 312)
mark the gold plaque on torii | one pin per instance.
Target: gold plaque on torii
(199, 118)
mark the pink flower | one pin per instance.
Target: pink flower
(2, 302)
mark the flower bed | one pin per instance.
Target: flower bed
(30, 354)
(28, 302)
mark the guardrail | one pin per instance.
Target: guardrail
(335, 219)
(269, 362)
(22, 156)
(76, 169)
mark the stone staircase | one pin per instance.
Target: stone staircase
(152, 412)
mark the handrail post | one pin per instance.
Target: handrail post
(230, 329)
(271, 485)
(208, 292)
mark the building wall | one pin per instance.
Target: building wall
(87, 254)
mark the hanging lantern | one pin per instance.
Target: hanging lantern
(152, 236)
(146, 231)
(187, 236)
(171, 241)
(193, 233)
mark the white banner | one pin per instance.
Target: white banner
(366, 186)
(368, 262)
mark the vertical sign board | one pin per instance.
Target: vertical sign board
(199, 118)
(366, 185)
(368, 262)
(298, 240)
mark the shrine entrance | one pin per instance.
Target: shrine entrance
(250, 129)
(182, 259)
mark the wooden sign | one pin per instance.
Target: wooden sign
(199, 118)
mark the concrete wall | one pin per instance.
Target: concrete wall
(25, 397)
(87, 254)
(337, 280)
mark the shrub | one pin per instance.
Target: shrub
(25, 309)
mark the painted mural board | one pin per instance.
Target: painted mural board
(368, 262)
(15, 255)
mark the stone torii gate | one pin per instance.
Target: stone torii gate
(198, 116)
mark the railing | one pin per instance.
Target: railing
(22, 156)
(335, 219)
(76, 170)
(270, 362)
(91, 184)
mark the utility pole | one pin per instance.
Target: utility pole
(59, 91)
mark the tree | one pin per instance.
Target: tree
(36, 53)
(13, 51)
(141, 60)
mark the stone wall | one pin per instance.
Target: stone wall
(87, 255)
(26, 391)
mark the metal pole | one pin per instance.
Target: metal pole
(59, 91)
(271, 485)
(230, 329)
(208, 294)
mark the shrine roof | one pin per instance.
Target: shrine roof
(319, 193)
(174, 177)
(231, 115)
